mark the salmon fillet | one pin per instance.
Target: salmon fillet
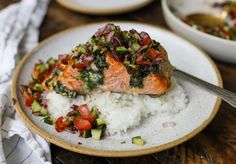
(117, 79)
(137, 65)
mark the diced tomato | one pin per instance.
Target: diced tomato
(82, 124)
(59, 129)
(59, 124)
(66, 122)
(35, 74)
(152, 53)
(61, 66)
(84, 112)
(144, 62)
(226, 33)
(71, 113)
(37, 95)
(44, 75)
(66, 60)
(47, 73)
(52, 65)
(28, 99)
(81, 132)
(80, 65)
(147, 40)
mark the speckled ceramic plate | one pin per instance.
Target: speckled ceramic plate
(100, 7)
(200, 111)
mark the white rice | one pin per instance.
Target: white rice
(122, 111)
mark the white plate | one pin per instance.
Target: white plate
(200, 111)
(99, 7)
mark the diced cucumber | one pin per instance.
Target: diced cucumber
(48, 120)
(43, 111)
(103, 42)
(96, 134)
(100, 121)
(86, 134)
(36, 106)
(95, 49)
(135, 46)
(51, 61)
(136, 35)
(121, 50)
(41, 67)
(138, 141)
(126, 36)
(95, 112)
(71, 119)
(38, 87)
(81, 49)
(93, 40)
(34, 79)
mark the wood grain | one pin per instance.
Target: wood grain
(216, 144)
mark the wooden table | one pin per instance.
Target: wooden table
(215, 144)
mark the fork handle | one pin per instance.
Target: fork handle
(226, 95)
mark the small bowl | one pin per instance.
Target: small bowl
(218, 48)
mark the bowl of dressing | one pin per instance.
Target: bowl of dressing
(210, 24)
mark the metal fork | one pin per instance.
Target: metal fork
(226, 95)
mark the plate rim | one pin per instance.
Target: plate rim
(106, 153)
(96, 11)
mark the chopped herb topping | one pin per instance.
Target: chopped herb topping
(61, 89)
(137, 51)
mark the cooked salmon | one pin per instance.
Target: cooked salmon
(125, 62)
(117, 79)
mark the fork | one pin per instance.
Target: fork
(226, 95)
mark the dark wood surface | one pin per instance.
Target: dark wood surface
(215, 144)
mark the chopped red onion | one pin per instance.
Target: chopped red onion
(139, 57)
(29, 90)
(112, 48)
(44, 94)
(130, 43)
(54, 70)
(158, 59)
(107, 29)
(86, 58)
(127, 55)
(117, 40)
(139, 38)
(99, 32)
(115, 56)
(142, 48)
(68, 129)
(143, 35)
(44, 102)
(89, 46)
(110, 35)
(36, 113)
